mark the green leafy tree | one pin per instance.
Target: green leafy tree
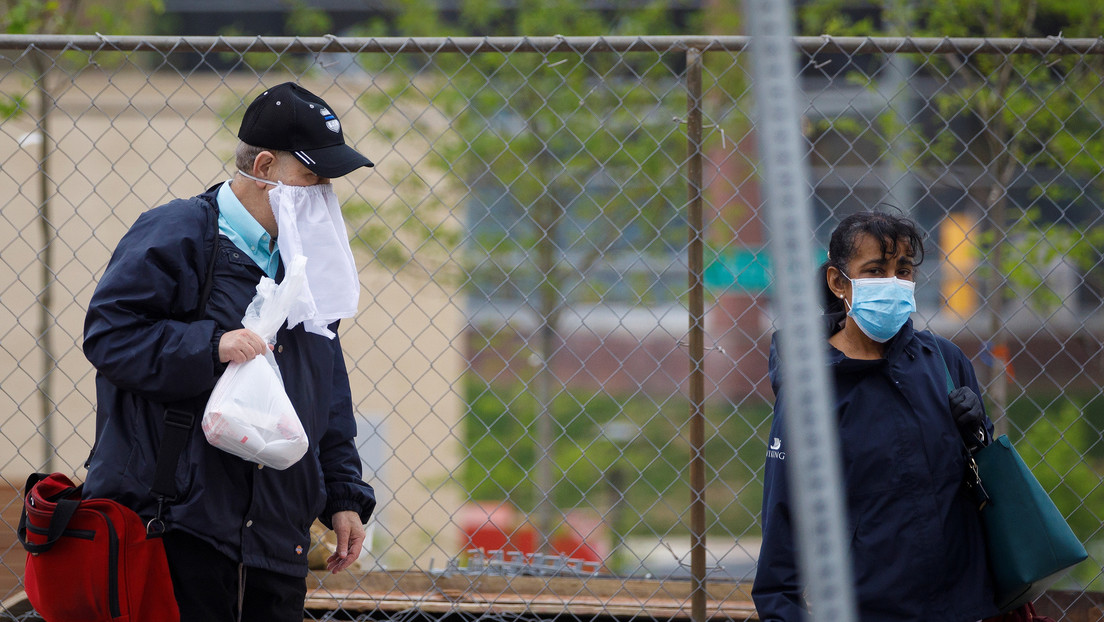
(1035, 247)
(568, 159)
(302, 18)
(1002, 115)
(1058, 448)
(56, 17)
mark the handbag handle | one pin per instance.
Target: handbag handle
(973, 481)
(946, 370)
(981, 433)
(59, 519)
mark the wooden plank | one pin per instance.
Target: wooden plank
(543, 596)
(542, 607)
(411, 582)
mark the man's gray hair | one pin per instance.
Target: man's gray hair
(245, 155)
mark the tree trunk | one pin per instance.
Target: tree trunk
(997, 214)
(547, 216)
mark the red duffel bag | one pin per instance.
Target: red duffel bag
(91, 560)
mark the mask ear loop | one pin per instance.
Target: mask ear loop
(846, 303)
(263, 181)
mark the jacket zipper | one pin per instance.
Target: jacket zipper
(112, 567)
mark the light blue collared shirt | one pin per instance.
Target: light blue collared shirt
(236, 223)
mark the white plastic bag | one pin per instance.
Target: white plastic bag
(249, 414)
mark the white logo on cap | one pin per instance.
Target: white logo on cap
(331, 121)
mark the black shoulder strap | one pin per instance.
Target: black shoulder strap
(973, 476)
(67, 504)
(205, 293)
(180, 421)
(946, 369)
(208, 283)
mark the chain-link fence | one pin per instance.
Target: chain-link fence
(522, 359)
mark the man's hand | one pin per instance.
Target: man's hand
(350, 540)
(239, 346)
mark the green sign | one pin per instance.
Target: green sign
(746, 268)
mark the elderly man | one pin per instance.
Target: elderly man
(164, 322)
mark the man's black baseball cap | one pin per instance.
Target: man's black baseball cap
(288, 117)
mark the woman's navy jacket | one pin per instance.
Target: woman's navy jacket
(142, 336)
(915, 538)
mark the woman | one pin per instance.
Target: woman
(915, 537)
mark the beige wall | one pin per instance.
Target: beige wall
(127, 142)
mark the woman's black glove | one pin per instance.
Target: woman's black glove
(969, 416)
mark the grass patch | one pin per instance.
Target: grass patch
(1057, 434)
(652, 469)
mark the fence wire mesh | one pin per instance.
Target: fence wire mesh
(520, 362)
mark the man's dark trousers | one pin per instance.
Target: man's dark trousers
(208, 586)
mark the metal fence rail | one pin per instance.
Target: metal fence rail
(573, 44)
(524, 363)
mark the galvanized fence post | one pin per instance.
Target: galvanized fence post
(696, 261)
(46, 319)
(813, 464)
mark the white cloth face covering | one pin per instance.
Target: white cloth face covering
(310, 224)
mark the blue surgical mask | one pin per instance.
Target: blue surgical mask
(880, 307)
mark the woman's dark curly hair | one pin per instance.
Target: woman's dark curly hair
(888, 229)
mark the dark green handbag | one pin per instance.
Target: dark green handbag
(1028, 540)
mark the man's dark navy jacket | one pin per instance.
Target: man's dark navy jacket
(915, 537)
(141, 335)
